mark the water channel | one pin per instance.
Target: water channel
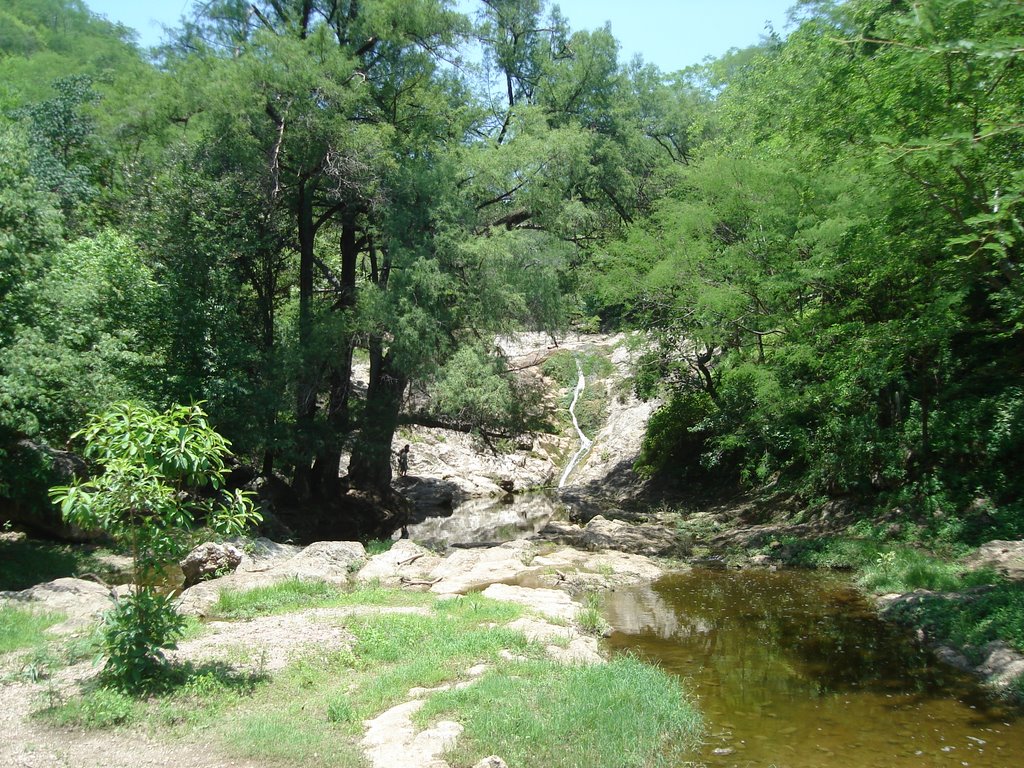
(792, 669)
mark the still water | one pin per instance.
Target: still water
(793, 670)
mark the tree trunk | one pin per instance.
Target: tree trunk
(370, 467)
(305, 406)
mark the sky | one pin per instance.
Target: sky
(669, 33)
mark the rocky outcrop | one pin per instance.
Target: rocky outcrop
(466, 570)
(332, 561)
(1004, 557)
(652, 540)
(209, 560)
(405, 564)
(79, 600)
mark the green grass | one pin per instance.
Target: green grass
(24, 564)
(624, 714)
(311, 714)
(996, 613)
(23, 628)
(841, 552)
(294, 594)
(904, 569)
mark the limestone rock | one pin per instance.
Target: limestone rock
(468, 569)
(80, 600)
(550, 602)
(1002, 665)
(331, 561)
(491, 762)
(651, 540)
(1005, 557)
(208, 561)
(260, 554)
(404, 561)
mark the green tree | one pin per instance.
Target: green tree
(148, 494)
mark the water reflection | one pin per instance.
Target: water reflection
(793, 669)
(490, 520)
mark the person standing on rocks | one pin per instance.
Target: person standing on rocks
(403, 461)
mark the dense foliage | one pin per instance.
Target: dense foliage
(820, 234)
(833, 284)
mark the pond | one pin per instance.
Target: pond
(793, 669)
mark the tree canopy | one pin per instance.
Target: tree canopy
(819, 235)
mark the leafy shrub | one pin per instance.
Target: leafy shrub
(152, 466)
(676, 438)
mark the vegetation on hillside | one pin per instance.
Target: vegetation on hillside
(819, 234)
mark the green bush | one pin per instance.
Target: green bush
(146, 497)
(676, 439)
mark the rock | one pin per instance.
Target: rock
(1002, 665)
(261, 553)
(468, 569)
(1005, 557)
(565, 644)
(760, 561)
(331, 561)
(404, 561)
(553, 603)
(651, 540)
(208, 561)
(80, 600)
(13, 537)
(491, 762)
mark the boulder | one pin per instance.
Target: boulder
(466, 570)
(81, 601)
(405, 562)
(553, 603)
(261, 554)
(1005, 557)
(493, 761)
(208, 561)
(331, 561)
(650, 540)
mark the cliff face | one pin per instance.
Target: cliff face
(449, 468)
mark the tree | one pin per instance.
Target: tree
(159, 474)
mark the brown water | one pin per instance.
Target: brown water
(793, 670)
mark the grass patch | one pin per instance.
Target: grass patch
(996, 613)
(838, 552)
(295, 594)
(905, 569)
(590, 618)
(311, 714)
(284, 596)
(378, 546)
(24, 564)
(623, 713)
(187, 694)
(23, 628)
